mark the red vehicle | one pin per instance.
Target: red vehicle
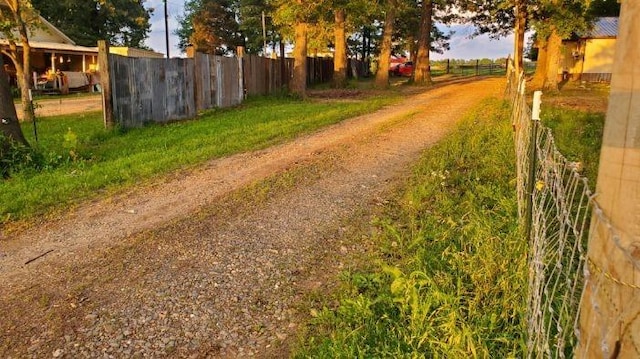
(405, 69)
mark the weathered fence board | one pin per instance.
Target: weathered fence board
(151, 90)
(204, 81)
(229, 80)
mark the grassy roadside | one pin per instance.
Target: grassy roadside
(449, 277)
(578, 135)
(77, 159)
(451, 270)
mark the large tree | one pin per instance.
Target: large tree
(555, 20)
(219, 26)
(340, 45)
(10, 130)
(211, 26)
(121, 22)
(299, 81)
(422, 70)
(17, 19)
(382, 75)
(256, 25)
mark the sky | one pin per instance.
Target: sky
(156, 38)
(462, 46)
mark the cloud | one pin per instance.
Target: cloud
(464, 46)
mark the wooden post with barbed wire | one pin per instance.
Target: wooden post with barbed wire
(610, 314)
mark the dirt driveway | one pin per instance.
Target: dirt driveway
(65, 105)
(215, 262)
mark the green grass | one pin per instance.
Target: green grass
(82, 160)
(451, 274)
(578, 136)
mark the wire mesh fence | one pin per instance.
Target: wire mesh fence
(557, 211)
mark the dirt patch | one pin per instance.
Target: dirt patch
(214, 263)
(586, 97)
(65, 105)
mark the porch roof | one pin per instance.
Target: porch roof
(57, 47)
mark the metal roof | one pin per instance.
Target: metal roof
(603, 27)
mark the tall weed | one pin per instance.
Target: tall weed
(451, 278)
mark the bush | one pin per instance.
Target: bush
(16, 157)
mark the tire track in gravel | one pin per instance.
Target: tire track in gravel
(204, 284)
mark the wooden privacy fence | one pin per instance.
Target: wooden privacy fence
(264, 76)
(142, 90)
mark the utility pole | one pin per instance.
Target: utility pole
(166, 26)
(264, 34)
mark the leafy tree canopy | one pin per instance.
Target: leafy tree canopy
(219, 26)
(121, 22)
(605, 8)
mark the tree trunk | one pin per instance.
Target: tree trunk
(340, 58)
(299, 80)
(382, 75)
(23, 68)
(553, 61)
(541, 66)
(422, 69)
(520, 28)
(413, 48)
(9, 125)
(610, 312)
(24, 81)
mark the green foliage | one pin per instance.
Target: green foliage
(80, 159)
(211, 26)
(452, 272)
(218, 26)
(121, 22)
(8, 23)
(15, 157)
(564, 16)
(605, 8)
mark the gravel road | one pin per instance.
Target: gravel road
(216, 262)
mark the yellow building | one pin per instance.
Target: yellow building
(590, 57)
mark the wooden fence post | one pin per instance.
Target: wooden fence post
(105, 83)
(610, 316)
(240, 52)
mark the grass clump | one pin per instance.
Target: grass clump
(451, 274)
(79, 159)
(578, 135)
